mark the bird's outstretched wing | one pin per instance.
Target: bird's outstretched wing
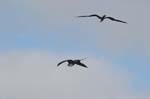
(84, 16)
(61, 62)
(113, 19)
(92, 15)
(81, 64)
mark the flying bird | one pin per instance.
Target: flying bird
(73, 62)
(103, 17)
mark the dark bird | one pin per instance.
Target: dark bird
(103, 17)
(73, 62)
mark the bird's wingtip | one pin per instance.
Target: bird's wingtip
(58, 64)
(125, 22)
(79, 16)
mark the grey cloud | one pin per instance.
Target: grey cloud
(34, 75)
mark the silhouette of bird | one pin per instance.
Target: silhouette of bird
(73, 62)
(103, 17)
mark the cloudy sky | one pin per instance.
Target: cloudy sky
(37, 34)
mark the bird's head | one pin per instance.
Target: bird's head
(104, 16)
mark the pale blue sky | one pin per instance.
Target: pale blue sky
(25, 25)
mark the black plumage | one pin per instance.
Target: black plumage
(103, 17)
(73, 62)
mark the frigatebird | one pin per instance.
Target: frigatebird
(73, 62)
(103, 17)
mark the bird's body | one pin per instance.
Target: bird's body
(73, 62)
(103, 18)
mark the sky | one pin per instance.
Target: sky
(37, 34)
